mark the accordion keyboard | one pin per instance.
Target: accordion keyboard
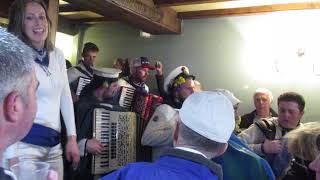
(126, 97)
(81, 84)
(117, 133)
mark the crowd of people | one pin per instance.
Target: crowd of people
(194, 133)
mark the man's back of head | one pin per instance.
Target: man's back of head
(18, 86)
(205, 124)
(207, 121)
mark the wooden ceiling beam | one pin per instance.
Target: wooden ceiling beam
(4, 8)
(168, 3)
(248, 10)
(53, 10)
(91, 20)
(67, 26)
(149, 19)
(70, 8)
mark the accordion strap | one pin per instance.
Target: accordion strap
(84, 72)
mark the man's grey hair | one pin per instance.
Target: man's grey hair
(197, 141)
(16, 64)
(264, 91)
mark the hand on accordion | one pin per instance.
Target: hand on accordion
(94, 146)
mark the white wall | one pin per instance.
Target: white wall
(235, 53)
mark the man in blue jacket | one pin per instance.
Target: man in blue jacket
(204, 125)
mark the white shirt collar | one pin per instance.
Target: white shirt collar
(191, 150)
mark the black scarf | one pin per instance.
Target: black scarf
(42, 57)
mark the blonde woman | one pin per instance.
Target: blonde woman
(30, 22)
(304, 145)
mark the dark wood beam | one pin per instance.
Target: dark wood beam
(53, 10)
(166, 3)
(91, 20)
(67, 26)
(248, 10)
(70, 8)
(4, 8)
(151, 20)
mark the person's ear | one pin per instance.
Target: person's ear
(222, 149)
(12, 106)
(176, 131)
(176, 94)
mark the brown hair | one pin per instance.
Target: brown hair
(89, 47)
(16, 19)
(293, 97)
(304, 142)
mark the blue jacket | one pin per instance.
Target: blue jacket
(241, 163)
(175, 164)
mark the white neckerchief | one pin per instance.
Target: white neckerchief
(191, 150)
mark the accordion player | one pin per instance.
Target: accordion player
(139, 102)
(102, 127)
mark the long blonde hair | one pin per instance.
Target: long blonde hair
(304, 142)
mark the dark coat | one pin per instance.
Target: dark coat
(247, 119)
(299, 170)
(3, 175)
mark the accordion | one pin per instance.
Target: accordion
(144, 104)
(141, 103)
(126, 94)
(126, 97)
(82, 82)
(117, 133)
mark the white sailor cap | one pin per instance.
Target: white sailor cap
(173, 74)
(106, 72)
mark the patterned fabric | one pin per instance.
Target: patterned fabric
(42, 57)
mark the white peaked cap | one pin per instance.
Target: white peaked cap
(210, 114)
(106, 72)
(173, 74)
